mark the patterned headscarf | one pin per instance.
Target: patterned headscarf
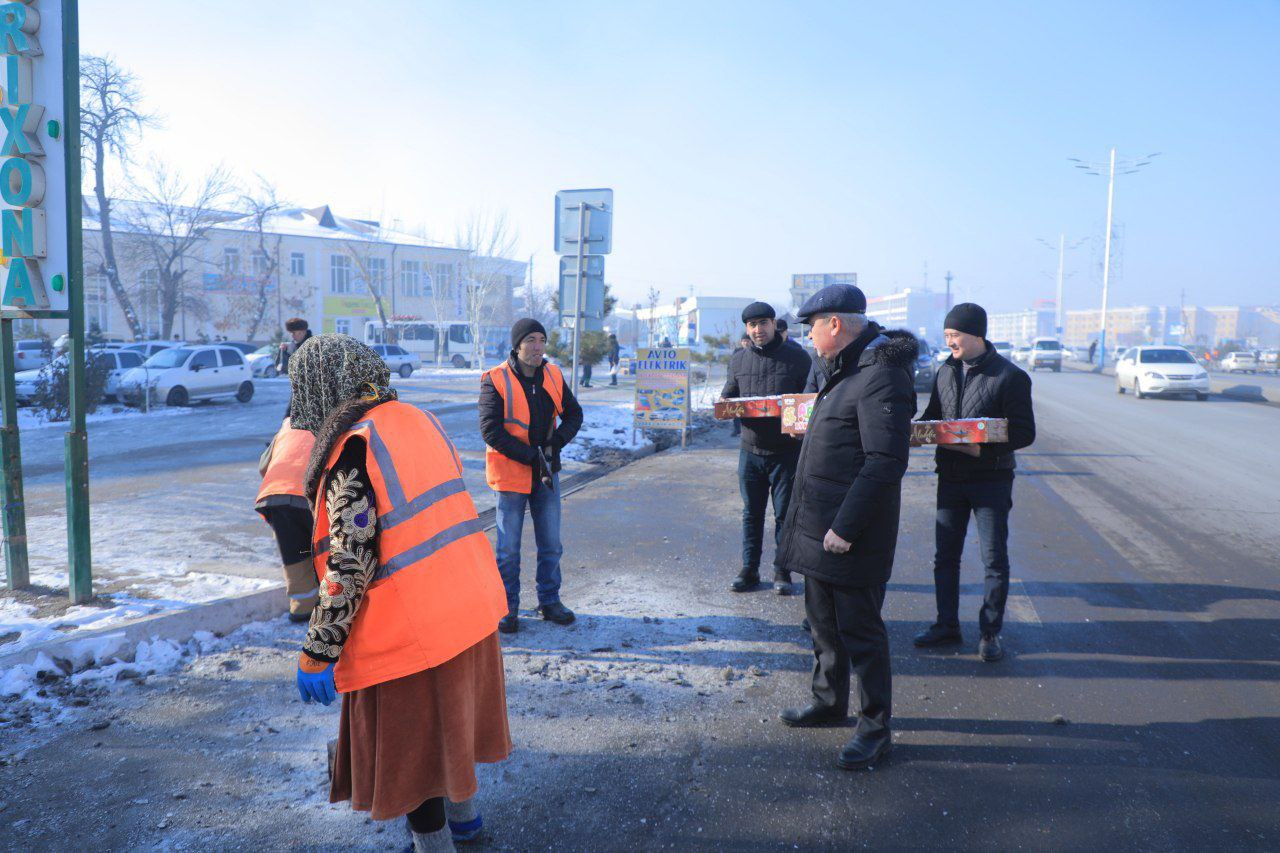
(329, 370)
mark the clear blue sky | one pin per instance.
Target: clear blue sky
(748, 141)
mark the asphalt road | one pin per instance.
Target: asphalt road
(1137, 707)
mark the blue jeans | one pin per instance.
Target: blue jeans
(990, 502)
(544, 506)
(760, 477)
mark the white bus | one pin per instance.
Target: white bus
(433, 342)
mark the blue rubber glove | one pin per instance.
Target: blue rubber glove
(317, 686)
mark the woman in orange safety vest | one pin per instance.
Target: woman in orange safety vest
(283, 504)
(410, 599)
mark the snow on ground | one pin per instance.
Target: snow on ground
(607, 425)
(30, 419)
(448, 371)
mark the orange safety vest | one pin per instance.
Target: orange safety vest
(436, 592)
(503, 473)
(282, 481)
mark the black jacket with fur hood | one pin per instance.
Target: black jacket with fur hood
(849, 477)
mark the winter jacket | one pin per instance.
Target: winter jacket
(994, 387)
(760, 372)
(541, 416)
(849, 477)
(613, 351)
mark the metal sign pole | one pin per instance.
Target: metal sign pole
(584, 211)
(15, 514)
(79, 559)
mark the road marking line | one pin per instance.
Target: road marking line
(1018, 606)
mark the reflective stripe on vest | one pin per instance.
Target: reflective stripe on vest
(436, 591)
(282, 483)
(503, 473)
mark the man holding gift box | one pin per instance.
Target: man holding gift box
(975, 382)
(767, 460)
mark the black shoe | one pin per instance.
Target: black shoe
(510, 623)
(812, 715)
(938, 635)
(782, 583)
(745, 582)
(300, 617)
(556, 612)
(989, 649)
(864, 751)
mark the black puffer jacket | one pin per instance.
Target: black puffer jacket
(775, 368)
(849, 478)
(993, 388)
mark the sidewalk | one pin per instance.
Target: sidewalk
(651, 722)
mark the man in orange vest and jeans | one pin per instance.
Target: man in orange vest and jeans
(527, 415)
(282, 503)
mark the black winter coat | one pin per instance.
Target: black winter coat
(541, 416)
(775, 368)
(994, 387)
(849, 477)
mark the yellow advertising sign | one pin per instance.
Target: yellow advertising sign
(358, 309)
(662, 388)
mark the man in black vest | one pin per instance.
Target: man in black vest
(842, 529)
(975, 382)
(767, 460)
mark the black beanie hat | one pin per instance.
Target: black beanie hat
(523, 329)
(758, 311)
(967, 317)
(782, 325)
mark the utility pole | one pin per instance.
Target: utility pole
(1057, 320)
(1106, 263)
(947, 278)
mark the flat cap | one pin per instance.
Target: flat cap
(833, 299)
(758, 311)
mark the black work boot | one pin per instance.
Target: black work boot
(990, 649)
(747, 580)
(782, 582)
(510, 623)
(556, 612)
(812, 715)
(938, 634)
(864, 751)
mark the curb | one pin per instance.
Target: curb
(221, 616)
(1221, 386)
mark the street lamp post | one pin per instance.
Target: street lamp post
(1128, 168)
(1062, 248)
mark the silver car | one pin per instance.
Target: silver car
(398, 359)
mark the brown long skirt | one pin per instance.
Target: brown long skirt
(403, 742)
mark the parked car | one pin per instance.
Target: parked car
(180, 375)
(1021, 354)
(926, 367)
(1240, 362)
(1118, 353)
(26, 382)
(31, 354)
(149, 348)
(1004, 348)
(1270, 360)
(262, 361)
(1045, 352)
(398, 359)
(1154, 370)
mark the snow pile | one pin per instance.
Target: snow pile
(452, 372)
(604, 426)
(29, 419)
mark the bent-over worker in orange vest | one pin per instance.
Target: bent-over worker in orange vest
(283, 504)
(527, 414)
(409, 598)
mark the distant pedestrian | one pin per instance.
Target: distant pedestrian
(767, 456)
(975, 382)
(298, 331)
(585, 381)
(527, 416)
(842, 527)
(282, 502)
(1093, 351)
(666, 342)
(409, 598)
(614, 360)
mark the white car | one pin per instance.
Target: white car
(149, 348)
(262, 361)
(1045, 352)
(398, 359)
(1240, 362)
(1148, 371)
(1270, 360)
(26, 382)
(179, 375)
(31, 354)
(1004, 348)
(1022, 354)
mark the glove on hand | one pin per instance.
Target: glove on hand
(316, 686)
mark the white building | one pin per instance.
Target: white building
(687, 321)
(917, 311)
(1020, 328)
(804, 285)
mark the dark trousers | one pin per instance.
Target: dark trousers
(758, 478)
(990, 502)
(847, 632)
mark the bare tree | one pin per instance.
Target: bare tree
(169, 225)
(489, 241)
(110, 119)
(655, 296)
(261, 205)
(377, 282)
